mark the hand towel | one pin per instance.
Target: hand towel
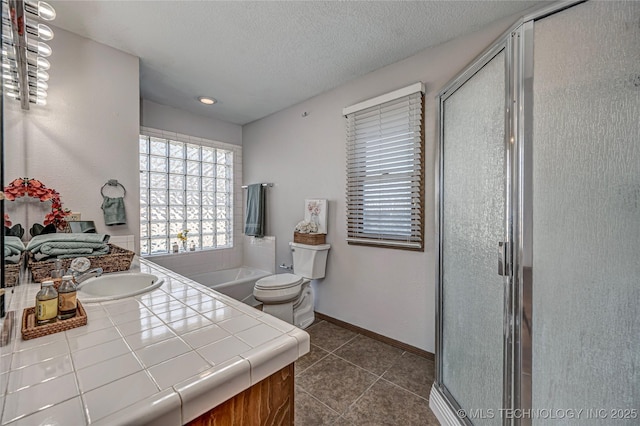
(113, 210)
(254, 219)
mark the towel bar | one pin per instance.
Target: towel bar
(264, 184)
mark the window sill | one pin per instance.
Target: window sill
(183, 253)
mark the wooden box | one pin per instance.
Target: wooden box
(31, 331)
(310, 239)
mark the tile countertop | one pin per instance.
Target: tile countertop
(162, 358)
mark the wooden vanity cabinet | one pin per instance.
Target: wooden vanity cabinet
(269, 402)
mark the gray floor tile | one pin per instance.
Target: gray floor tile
(370, 354)
(342, 422)
(334, 391)
(413, 373)
(387, 404)
(310, 412)
(329, 336)
(335, 382)
(315, 354)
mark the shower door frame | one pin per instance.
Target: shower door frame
(517, 43)
(503, 44)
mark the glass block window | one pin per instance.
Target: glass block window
(184, 186)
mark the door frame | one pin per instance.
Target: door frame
(504, 44)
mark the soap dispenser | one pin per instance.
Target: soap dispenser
(57, 273)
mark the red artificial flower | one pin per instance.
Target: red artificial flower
(34, 188)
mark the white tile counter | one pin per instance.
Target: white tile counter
(160, 358)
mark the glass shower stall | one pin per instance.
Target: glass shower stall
(538, 304)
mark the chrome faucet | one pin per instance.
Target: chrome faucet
(82, 276)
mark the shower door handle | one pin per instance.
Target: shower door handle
(504, 261)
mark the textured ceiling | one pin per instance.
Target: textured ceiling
(257, 58)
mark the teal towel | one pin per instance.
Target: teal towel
(68, 245)
(254, 219)
(113, 210)
(12, 246)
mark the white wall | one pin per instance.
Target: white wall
(390, 292)
(85, 135)
(175, 120)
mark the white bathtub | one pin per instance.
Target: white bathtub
(237, 282)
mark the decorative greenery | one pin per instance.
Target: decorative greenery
(34, 188)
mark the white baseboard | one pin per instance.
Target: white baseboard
(438, 404)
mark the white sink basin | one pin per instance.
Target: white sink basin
(117, 286)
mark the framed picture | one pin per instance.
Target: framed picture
(316, 211)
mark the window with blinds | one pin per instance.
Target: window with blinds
(385, 170)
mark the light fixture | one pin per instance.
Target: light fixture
(24, 67)
(207, 100)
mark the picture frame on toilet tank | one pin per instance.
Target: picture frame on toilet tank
(315, 210)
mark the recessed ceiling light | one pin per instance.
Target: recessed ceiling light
(207, 101)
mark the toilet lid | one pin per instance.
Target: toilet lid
(278, 282)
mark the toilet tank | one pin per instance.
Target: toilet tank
(309, 261)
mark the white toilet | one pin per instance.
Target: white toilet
(290, 296)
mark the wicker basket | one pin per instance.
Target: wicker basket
(12, 272)
(31, 331)
(311, 239)
(118, 259)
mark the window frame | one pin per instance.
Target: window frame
(380, 154)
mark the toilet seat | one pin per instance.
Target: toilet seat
(279, 288)
(278, 282)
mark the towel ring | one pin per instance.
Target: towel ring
(113, 182)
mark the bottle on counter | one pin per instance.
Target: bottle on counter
(67, 302)
(175, 247)
(46, 304)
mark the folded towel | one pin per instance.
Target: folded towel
(113, 210)
(254, 220)
(12, 246)
(12, 259)
(68, 245)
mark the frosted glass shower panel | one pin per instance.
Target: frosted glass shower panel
(473, 208)
(586, 212)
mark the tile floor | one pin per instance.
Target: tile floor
(351, 379)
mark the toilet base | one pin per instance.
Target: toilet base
(283, 311)
(303, 309)
(299, 312)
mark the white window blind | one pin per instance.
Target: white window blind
(385, 170)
